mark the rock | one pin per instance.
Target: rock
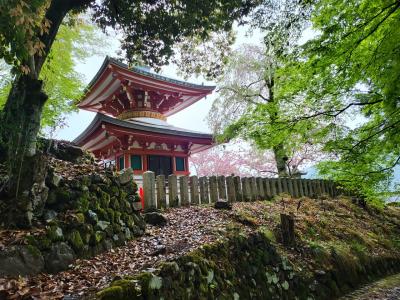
(160, 249)
(21, 260)
(139, 221)
(59, 258)
(137, 206)
(92, 216)
(55, 180)
(136, 231)
(103, 225)
(50, 215)
(222, 204)
(97, 178)
(55, 233)
(125, 176)
(107, 244)
(155, 218)
(65, 151)
(127, 233)
(131, 189)
(75, 240)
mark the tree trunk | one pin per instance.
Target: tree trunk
(25, 189)
(279, 150)
(20, 124)
(280, 160)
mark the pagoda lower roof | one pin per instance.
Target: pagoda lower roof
(145, 129)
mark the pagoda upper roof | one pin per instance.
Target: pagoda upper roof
(117, 88)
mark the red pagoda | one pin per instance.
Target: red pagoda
(131, 129)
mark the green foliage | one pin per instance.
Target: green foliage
(205, 57)
(348, 77)
(20, 21)
(151, 28)
(250, 106)
(75, 42)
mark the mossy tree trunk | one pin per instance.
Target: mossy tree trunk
(20, 125)
(281, 160)
(279, 149)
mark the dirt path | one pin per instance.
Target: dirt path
(387, 288)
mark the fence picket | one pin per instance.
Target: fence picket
(173, 199)
(184, 190)
(213, 189)
(149, 191)
(230, 186)
(238, 188)
(221, 187)
(194, 190)
(203, 182)
(161, 193)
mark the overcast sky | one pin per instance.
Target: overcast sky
(192, 118)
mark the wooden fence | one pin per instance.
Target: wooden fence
(162, 192)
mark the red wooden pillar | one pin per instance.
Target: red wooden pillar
(144, 162)
(127, 160)
(187, 164)
(173, 164)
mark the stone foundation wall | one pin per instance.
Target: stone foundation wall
(87, 211)
(250, 268)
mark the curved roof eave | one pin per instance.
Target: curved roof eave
(109, 60)
(168, 130)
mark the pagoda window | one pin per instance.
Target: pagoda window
(180, 164)
(121, 162)
(136, 162)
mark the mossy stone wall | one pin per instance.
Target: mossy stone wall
(249, 267)
(84, 215)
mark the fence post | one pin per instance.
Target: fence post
(194, 190)
(290, 186)
(230, 186)
(305, 187)
(321, 186)
(317, 188)
(309, 188)
(284, 183)
(149, 191)
(331, 186)
(279, 188)
(161, 194)
(213, 189)
(184, 190)
(238, 188)
(254, 190)
(173, 191)
(335, 190)
(300, 185)
(203, 181)
(272, 183)
(246, 186)
(322, 183)
(295, 188)
(221, 187)
(267, 188)
(260, 187)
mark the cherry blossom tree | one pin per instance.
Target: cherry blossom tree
(241, 159)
